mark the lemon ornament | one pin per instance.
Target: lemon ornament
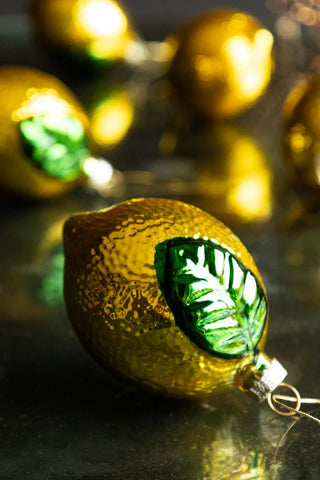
(45, 139)
(221, 63)
(43, 134)
(301, 132)
(94, 32)
(168, 297)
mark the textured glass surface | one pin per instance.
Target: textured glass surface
(215, 300)
(56, 144)
(117, 308)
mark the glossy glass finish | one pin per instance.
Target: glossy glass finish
(215, 300)
(55, 144)
(118, 310)
(36, 111)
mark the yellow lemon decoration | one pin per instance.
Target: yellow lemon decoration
(221, 63)
(167, 296)
(94, 30)
(43, 134)
(301, 132)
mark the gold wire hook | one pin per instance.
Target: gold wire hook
(275, 400)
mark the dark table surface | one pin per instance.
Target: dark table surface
(61, 415)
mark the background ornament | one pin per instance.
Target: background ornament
(43, 134)
(97, 32)
(221, 63)
(301, 132)
(45, 147)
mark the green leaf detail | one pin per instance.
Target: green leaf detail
(215, 300)
(56, 144)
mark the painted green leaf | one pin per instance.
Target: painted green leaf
(215, 300)
(56, 144)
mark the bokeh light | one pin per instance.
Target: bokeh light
(306, 12)
(99, 18)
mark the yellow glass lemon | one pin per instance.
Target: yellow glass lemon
(221, 63)
(96, 30)
(167, 296)
(301, 132)
(42, 136)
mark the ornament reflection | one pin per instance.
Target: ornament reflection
(49, 262)
(111, 119)
(231, 175)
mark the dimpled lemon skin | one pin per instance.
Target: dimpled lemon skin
(25, 92)
(116, 306)
(221, 63)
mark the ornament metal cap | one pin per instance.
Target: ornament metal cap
(264, 376)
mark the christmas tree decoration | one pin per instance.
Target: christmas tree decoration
(168, 297)
(221, 63)
(43, 134)
(44, 138)
(94, 31)
(301, 132)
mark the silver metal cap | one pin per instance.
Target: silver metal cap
(263, 377)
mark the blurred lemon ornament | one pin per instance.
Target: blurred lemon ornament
(301, 132)
(168, 297)
(94, 30)
(44, 146)
(43, 134)
(221, 63)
